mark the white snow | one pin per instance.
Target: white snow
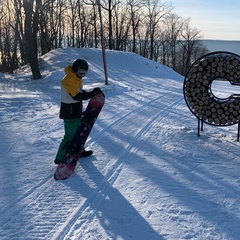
(151, 177)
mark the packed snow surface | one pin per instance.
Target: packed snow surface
(150, 178)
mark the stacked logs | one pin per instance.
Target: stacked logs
(197, 88)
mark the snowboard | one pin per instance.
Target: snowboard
(75, 146)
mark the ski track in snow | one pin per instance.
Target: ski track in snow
(41, 192)
(33, 199)
(115, 169)
(151, 177)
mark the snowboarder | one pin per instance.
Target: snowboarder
(72, 94)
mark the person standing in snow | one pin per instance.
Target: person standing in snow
(72, 94)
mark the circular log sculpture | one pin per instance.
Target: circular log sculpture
(222, 66)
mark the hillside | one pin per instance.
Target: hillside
(151, 176)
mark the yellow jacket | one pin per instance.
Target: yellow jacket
(72, 95)
(71, 82)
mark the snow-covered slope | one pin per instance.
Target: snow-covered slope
(151, 176)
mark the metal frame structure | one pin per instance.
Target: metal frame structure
(197, 90)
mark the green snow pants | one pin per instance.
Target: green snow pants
(70, 127)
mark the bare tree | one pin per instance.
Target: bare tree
(156, 12)
(51, 18)
(136, 10)
(174, 26)
(31, 29)
(45, 8)
(5, 39)
(72, 14)
(8, 37)
(190, 46)
(93, 23)
(121, 26)
(109, 6)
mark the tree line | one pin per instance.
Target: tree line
(31, 28)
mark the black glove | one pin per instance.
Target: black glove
(96, 91)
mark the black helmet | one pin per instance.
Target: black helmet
(79, 64)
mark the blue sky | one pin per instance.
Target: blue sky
(216, 19)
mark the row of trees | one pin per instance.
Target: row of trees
(30, 28)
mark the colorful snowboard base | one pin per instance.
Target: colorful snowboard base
(74, 148)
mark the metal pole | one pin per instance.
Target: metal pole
(103, 44)
(238, 131)
(198, 127)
